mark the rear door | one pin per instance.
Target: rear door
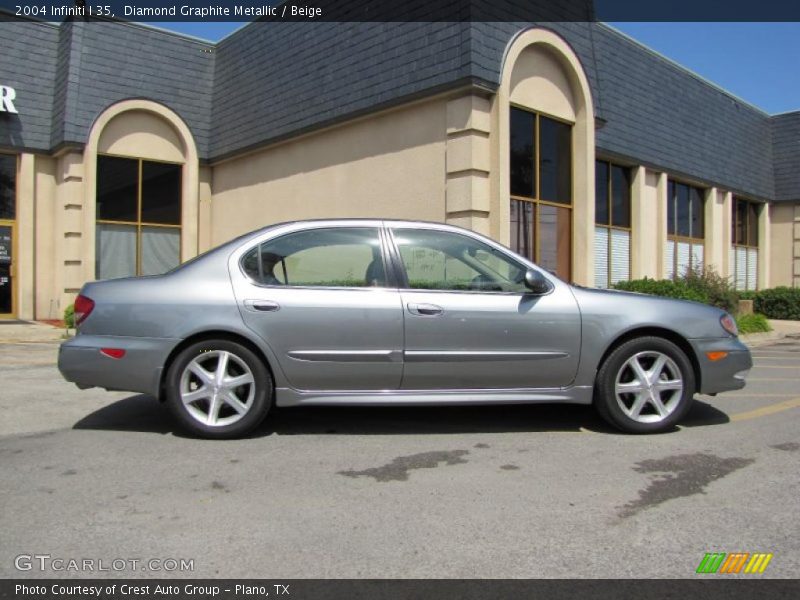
(321, 300)
(470, 322)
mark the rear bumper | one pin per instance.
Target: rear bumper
(727, 373)
(139, 370)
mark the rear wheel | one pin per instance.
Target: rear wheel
(645, 385)
(219, 389)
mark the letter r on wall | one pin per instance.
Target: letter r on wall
(7, 96)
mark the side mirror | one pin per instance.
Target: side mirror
(536, 282)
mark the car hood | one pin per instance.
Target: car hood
(610, 309)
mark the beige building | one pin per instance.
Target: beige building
(144, 166)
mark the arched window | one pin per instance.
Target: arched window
(141, 173)
(546, 155)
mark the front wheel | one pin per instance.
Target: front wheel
(646, 385)
(219, 389)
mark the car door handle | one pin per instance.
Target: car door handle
(426, 310)
(261, 305)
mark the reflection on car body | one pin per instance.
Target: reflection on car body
(391, 312)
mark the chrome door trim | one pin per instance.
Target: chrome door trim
(571, 395)
(347, 355)
(477, 355)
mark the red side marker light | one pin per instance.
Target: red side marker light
(714, 356)
(113, 352)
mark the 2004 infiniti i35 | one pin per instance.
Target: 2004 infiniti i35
(378, 312)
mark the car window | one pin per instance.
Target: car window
(440, 260)
(336, 257)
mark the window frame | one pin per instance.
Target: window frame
(610, 207)
(405, 286)
(16, 158)
(737, 200)
(12, 223)
(746, 245)
(139, 224)
(675, 238)
(536, 199)
(391, 276)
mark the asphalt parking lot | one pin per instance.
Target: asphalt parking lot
(488, 492)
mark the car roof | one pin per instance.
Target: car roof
(344, 221)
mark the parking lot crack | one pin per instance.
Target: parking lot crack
(398, 469)
(680, 476)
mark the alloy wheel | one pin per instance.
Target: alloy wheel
(649, 387)
(217, 388)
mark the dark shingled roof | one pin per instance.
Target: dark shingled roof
(271, 81)
(786, 155)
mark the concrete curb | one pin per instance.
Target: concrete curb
(30, 333)
(754, 340)
(780, 329)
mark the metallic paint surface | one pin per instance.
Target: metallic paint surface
(364, 345)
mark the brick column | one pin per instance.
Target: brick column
(468, 159)
(74, 248)
(796, 247)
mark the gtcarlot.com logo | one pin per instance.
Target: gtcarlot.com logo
(46, 562)
(733, 563)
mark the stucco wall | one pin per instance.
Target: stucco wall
(782, 244)
(391, 165)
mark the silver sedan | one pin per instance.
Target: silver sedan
(377, 312)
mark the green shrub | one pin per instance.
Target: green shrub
(756, 323)
(69, 317)
(779, 303)
(746, 294)
(662, 287)
(710, 284)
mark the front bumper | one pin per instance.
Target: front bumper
(727, 373)
(139, 370)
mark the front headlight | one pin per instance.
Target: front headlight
(729, 324)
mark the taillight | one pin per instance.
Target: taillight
(729, 324)
(83, 308)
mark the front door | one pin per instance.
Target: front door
(6, 270)
(319, 298)
(470, 322)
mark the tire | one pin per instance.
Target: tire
(650, 398)
(219, 389)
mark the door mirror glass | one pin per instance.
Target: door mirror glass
(536, 282)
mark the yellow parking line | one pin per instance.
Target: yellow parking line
(766, 410)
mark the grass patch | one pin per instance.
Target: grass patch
(755, 323)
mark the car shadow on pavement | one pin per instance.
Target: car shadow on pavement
(145, 414)
(404, 420)
(702, 414)
(136, 413)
